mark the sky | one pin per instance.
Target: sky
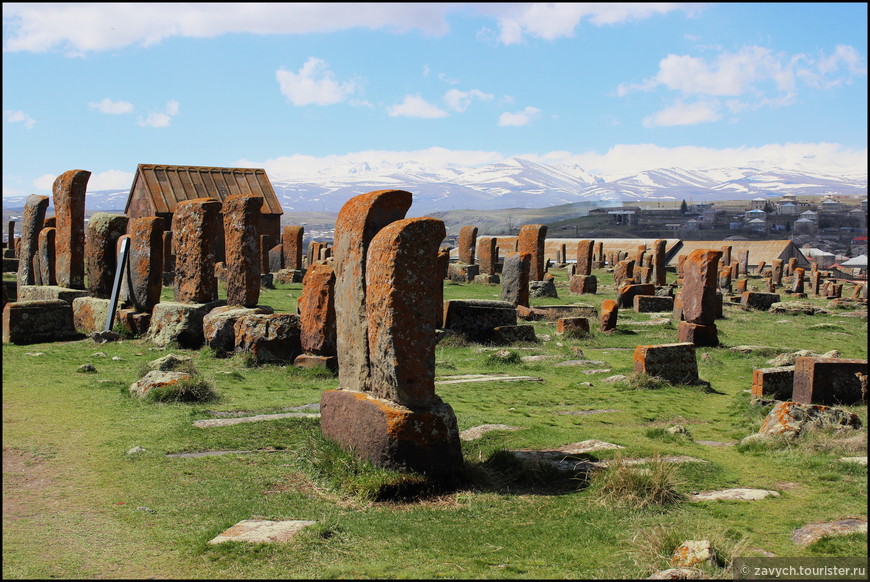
(615, 88)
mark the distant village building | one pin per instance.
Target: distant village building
(755, 214)
(830, 205)
(823, 259)
(757, 225)
(804, 226)
(810, 215)
(788, 208)
(758, 203)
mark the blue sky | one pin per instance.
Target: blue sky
(616, 88)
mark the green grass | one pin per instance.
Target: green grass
(77, 505)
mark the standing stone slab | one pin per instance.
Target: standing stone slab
(69, 207)
(143, 279)
(241, 225)
(31, 223)
(487, 254)
(101, 258)
(317, 311)
(584, 258)
(291, 243)
(47, 251)
(676, 363)
(400, 283)
(658, 262)
(515, 278)
(609, 315)
(698, 295)
(467, 244)
(531, 240)
(358, 222)
(197, 227)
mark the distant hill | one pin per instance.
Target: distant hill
(518, 183)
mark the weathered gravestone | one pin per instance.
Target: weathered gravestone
(104, 229)
(197, 226)
(829, 381)
(241, 222)
(47, 253)
(675, 363)
(583, 281)
(386, 409)
(698, 299)
(317, 332)
(68, 194)
(531, 240)
(467, 244)
(515, 278)
(609, 315)
(31, 224)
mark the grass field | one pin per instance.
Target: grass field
(77, 504)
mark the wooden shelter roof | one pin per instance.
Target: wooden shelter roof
(168, 185)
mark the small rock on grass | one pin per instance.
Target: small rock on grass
(87, 369)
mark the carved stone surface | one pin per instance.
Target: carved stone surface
(143, 277)
(291, 242)
(358, 222)
(31, 224)
(698, 295)
(241, 226)
(197, 226)
(69, 208)
(467, 244)
(101, 259)
(531, 240)
(317, 311)
(515, 278)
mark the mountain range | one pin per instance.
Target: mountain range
(521, 183)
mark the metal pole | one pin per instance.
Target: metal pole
(116, 287)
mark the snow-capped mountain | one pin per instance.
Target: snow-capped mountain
(521, 183)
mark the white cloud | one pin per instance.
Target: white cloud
(45, 182)
(627, 159)
(78, 28)
(15, 116)
(111, 107)
(553, 20)
(110, 180)
(161, 118)
(416, 106)
(753, 77)
(314, 84)
(460, 100)
(684, 114)
(524, 117)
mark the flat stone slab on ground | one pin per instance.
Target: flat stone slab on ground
(463, 378)
(856, 460)
(209, 423)
(478, 431)
(216, 453)
(716, 443)
(814, 531)
(582, 363)
(734, 495)
(261, 531)
(585, 412)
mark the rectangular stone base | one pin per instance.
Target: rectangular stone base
(390, 435)
(29, 322)
(699, 335)
(49, 293)
(179, 322)
(676, 363)
(829, 381)
(583, 284)
(773, 383)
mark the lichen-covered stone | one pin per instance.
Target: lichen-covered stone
(143, 277)
(155, 379)
(241, 232)
(218, 326)
(829, 381)
(179, 322)
(291, 247)
(531, 240)
(774, 383)
(467, 244)
(317, 311)
(653, 304)
(197, 227)
(90, 314)
(475, 319)
(698, 295)
(789, 419)
(487, 254)
(626, 293)
(583, 284)
(609, 315)
(29, 322)
(101, 259)
(68, 193)
(31, 223)
(675, 363)
(358, 222)
(47, 252)
(400, 281)
(270, 338)
(515, 278)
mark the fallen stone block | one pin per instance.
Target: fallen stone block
(49, 293)
(653, 304)
(476, 319)
(271, 338)
(773, 383)
(762, 301)
(179, 322)
(789, 419)
(829, 381)
(675, 363)
(261, 531)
